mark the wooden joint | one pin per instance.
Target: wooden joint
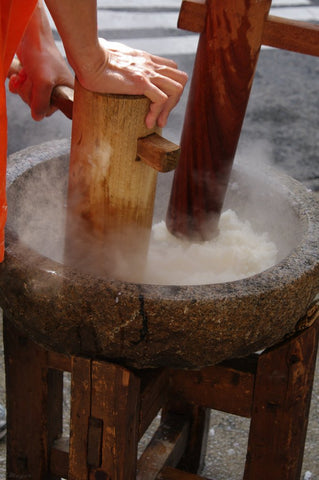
(58, 361)
(158, 153)
(293, 35)
(192, 16)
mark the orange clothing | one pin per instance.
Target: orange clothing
(14, 17)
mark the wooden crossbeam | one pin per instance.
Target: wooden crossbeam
(169, 473)
(293, 35)
(218, 387)
(165, 448)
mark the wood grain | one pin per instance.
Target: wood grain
(284, 33)
(192, 16)
(165, 448)
(223, 74)
(111, 194)
(293, 35)
(280, 410)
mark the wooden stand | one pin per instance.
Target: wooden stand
(111, 408)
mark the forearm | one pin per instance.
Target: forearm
(77, 24)
(38, 34)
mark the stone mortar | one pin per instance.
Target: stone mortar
(152, 325)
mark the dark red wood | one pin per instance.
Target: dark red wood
(81, 390)
(169, 473)
(34, 407)
(192, 16)
(223, 74)
(165, 448)
(193, 457)
(280, 410)
(224, 388)
(115, 401)
(293, 35)
(109, 409)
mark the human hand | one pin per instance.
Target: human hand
(116, 68)
(35, 80)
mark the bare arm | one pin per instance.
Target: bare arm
(109, 67)
(43, 67)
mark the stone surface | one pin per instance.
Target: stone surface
(70, 311)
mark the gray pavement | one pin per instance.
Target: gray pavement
(281, 126)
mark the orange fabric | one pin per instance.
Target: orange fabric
(14, 16)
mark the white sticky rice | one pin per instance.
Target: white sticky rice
(235, 253)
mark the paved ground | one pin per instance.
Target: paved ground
(281, 125)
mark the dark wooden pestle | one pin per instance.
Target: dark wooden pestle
(224, 69)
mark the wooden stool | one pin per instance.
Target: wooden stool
(111, 408)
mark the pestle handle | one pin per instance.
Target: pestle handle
(62, 97)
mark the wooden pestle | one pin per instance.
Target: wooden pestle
(222, 78)
(114, 161)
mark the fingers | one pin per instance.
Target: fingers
(38, 94)
(171, 82)
(163, 61)
(37, 98)
(41, 101)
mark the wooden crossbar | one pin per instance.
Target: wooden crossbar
(293, 35)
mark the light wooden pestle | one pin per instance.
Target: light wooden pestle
(114, 161)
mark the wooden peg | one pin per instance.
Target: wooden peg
(158, 153)
(192, 15)
(293, 35)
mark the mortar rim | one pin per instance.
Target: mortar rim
(272, 279)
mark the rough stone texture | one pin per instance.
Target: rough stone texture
(147, 325)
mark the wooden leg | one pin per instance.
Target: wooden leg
(115, 403)
(79, 422)
(104, 421)
(194, 456)
(29, 384)
(281, 407)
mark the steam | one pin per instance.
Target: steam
(258, 227)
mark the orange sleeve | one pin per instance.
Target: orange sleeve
(14, 17)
